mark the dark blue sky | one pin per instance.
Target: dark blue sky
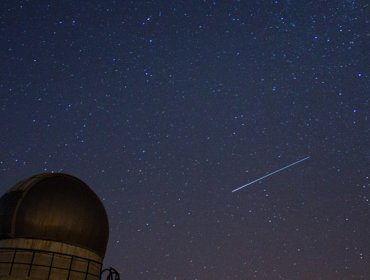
(165, 107)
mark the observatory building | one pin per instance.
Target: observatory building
(52, 226)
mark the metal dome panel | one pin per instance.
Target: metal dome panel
(56, 207)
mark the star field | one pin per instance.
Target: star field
(165, 107)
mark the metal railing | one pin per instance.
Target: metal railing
(52, 265)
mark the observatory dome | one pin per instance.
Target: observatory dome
(55, 207)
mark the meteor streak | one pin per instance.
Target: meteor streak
(268, 175)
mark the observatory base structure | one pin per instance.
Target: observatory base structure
(39, 259)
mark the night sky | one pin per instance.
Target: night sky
(165, 107)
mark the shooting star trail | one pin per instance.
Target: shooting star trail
(268, 175)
